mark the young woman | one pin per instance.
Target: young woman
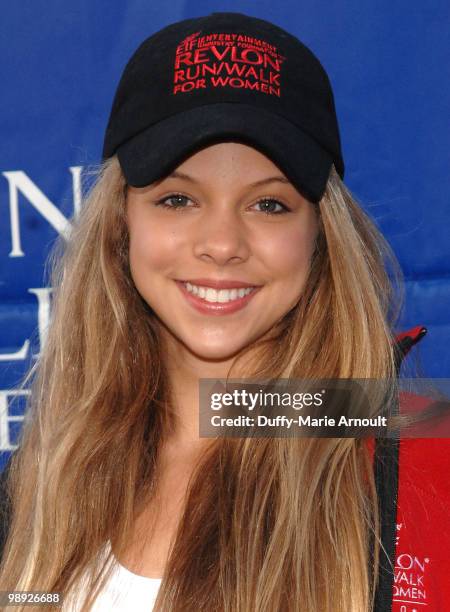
(218, 240)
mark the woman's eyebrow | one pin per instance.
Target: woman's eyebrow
(271, 179)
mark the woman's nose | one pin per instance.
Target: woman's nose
(221, 236)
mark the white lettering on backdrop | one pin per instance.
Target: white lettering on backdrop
(20, 183)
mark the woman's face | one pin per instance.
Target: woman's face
(227, 222)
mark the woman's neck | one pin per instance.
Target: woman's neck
(184, 370)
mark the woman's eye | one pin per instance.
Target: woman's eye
(268, 206)
(177, 201)
(174, 201)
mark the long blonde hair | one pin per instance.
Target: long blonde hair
(285, 524)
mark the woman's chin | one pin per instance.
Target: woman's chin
(210, 346)
(212, 352)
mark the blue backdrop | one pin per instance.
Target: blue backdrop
(387, 61)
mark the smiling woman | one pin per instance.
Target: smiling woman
(230, 244)
(218, 239)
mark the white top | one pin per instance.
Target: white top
(124, 591)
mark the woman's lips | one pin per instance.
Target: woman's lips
(216, 308)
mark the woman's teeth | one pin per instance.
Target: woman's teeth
(214, 295)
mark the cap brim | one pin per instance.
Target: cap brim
(159, 149)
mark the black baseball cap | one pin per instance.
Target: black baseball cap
(225, 77)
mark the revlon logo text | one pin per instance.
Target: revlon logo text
(227, 60)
